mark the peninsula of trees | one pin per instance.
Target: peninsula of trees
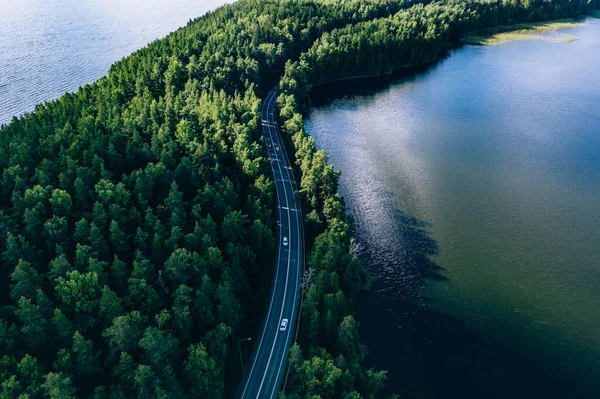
(136, 223)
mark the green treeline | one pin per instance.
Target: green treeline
(326, 362)
(136, 224)
(410, 37)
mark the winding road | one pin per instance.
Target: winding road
(269, 361)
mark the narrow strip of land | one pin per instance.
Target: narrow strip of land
(270, 357)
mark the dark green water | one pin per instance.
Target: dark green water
(475, 188)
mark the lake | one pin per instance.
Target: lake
(474, 184)
(51, 47)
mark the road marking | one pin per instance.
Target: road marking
(273, 384)
(296, 290)
(284, 294)
(298, 276)
(264, 332)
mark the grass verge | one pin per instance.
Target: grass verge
(548, 31)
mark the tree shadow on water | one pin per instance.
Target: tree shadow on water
(398, 250)
(428, 353)
(368, 87)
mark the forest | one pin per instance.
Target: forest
(136, 214)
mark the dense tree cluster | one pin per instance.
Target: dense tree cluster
(327, 361)
(136, 223)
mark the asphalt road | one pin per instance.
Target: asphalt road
(268, 365)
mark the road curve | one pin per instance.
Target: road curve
(269, 361)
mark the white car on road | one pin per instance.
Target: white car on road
(283, 325)
(285, 241)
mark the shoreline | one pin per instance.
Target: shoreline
(379, 75)
(546, 31)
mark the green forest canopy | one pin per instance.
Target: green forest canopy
(135, 214)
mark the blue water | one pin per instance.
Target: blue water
(475, 187)
(51, 47)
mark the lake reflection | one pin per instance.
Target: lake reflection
(475, 187)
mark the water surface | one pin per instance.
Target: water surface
(51, 47)
(475, 187)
